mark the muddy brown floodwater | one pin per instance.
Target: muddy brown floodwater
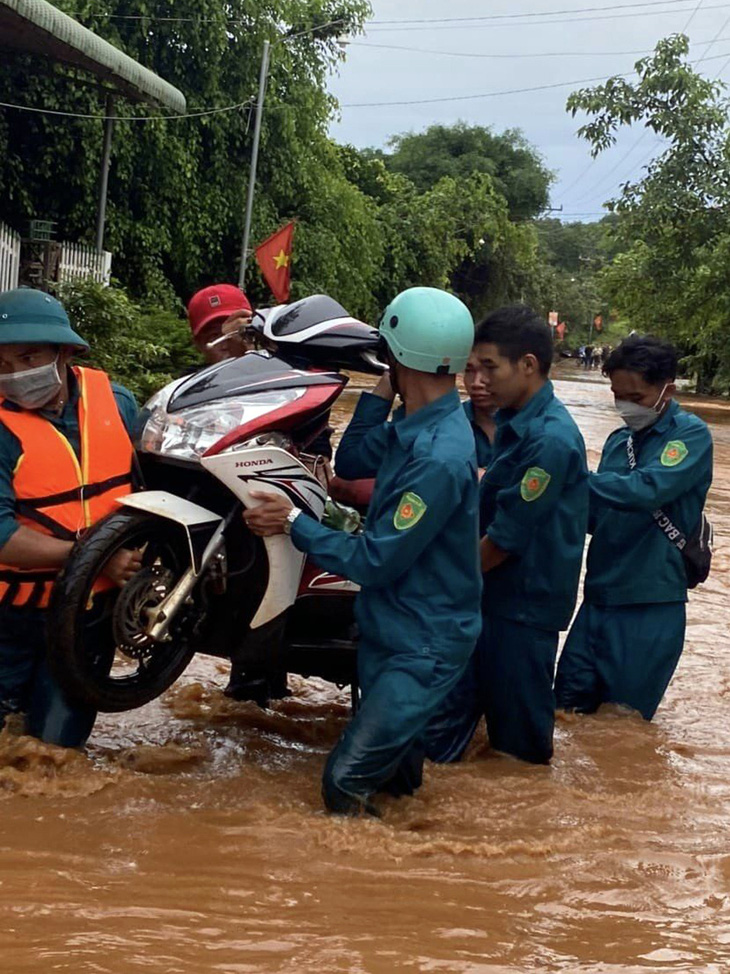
(191, 838)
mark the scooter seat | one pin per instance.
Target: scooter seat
(352, 493)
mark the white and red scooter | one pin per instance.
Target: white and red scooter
(207, 584)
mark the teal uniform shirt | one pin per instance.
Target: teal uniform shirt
(417, 560)
(534, 505)
(630, 560)
(484, 448)
(68, 424)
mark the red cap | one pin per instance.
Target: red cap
(216, 301)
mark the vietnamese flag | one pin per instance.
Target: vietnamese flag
(274, 259)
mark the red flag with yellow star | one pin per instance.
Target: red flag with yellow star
(274, 259)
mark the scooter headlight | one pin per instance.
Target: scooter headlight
(187, 434)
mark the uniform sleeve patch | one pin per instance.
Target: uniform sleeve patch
(674, 452)
(409, 512)
(534, 484)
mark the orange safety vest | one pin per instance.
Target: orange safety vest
(55, 493)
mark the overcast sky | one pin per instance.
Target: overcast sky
(568, 47)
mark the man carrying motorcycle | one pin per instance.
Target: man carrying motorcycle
(215, 312)
(218, 316)
(417, 561)
(65, 456)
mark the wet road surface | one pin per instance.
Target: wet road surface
(191, 838)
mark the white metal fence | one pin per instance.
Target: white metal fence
(9, 258)
(80, 263)
(77, 262)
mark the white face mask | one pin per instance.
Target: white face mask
(638, 417)
(33, 388)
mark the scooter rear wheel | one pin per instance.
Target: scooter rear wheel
(98, 650)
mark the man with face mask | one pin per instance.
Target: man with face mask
(417, 560)
(533, 502)
(65, 456)
(627, 638)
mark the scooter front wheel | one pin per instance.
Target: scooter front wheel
(99, 650)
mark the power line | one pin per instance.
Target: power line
(534, 13)
(606, 177)
(536, 23)
(708, 47)
(127, 118)
(468, 54)
(715, 40)
(310, 30)
(486, 94)
(721, 69)
(378, 104)
(692, 16)
(494, 94)
(424, 20)
(209, 20)
(214, 20)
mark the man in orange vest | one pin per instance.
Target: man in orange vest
(65, 457)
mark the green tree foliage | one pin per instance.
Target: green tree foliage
(455, 232)
(454, 201)
(177, 187)
(673, 274)
(575, 247)
(448, 207)
(517, 171)
(144, 350)
(571, 257)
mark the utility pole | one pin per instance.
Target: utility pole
(104, 172)
(254, 162)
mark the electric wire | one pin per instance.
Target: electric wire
(494, 94)
(596, 190)
(532, 13)
(475, 97)
(692, 16)
(451, 23)
(538, 23)
(128, 118)
(423, 20)
(708, 47)
(380, 104)
(507, 57)
(715, 42)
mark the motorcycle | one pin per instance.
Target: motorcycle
(207, 584)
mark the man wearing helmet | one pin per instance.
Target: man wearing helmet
(65, 456)
(417, 560)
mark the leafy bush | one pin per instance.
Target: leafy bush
(143, 350)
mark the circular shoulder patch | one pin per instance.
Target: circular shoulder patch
(674, 452)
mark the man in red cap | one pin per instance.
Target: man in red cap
(215, 311)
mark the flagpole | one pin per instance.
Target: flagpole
(254, 163)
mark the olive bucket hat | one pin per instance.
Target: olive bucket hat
(33, 317)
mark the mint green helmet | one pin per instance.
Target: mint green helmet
(428, 330)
